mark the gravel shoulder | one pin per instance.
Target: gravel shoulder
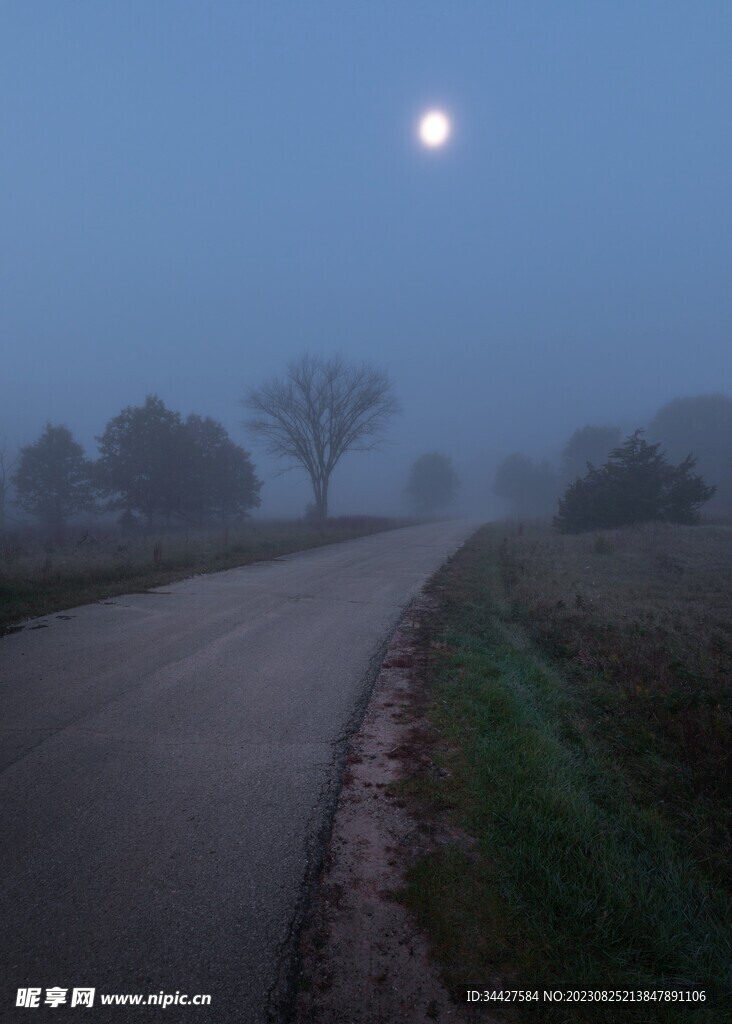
(363, 959)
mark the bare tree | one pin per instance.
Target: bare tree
(320, 410)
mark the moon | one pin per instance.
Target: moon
(434, 128)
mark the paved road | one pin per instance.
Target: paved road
(169, 763)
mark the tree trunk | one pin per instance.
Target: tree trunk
(323, 502)
(320, 493)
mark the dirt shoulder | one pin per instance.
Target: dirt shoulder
(363, 960)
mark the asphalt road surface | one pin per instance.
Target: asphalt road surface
(169, 765)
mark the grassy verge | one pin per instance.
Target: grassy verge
(579, 877)
(39, 576)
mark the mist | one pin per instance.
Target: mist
(194, 196)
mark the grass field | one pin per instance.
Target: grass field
(580, 696)
(39, 575)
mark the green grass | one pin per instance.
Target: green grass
(574, 881)
(39, 576)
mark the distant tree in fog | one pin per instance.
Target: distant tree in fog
(53, 478)
(144, 461)
(636, 485)
(588, 445)
(529, 487)
(433, 483)
(222, 484)
(6, 466)
(701, 424)
(321, 409)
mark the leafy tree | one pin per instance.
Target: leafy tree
(145, 461)
(702, 424)
(7, 464)
(222, 484)
(53, 478)
(529, 487)
(635, 485)
(320, 410)
(588, 445)
(433, 483)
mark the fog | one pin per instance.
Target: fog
(194, 194)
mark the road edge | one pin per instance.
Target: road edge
(362, 958)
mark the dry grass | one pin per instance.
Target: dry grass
(644, 618)
(580, 704)
(40, 574)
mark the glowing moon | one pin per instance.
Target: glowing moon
(434, 129)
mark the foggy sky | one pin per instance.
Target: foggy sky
(191, 194)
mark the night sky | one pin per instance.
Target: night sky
(192, 194)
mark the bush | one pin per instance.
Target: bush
(636, 485)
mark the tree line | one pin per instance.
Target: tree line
(601, 482)
(155, 467)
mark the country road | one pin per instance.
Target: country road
(169, 763)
